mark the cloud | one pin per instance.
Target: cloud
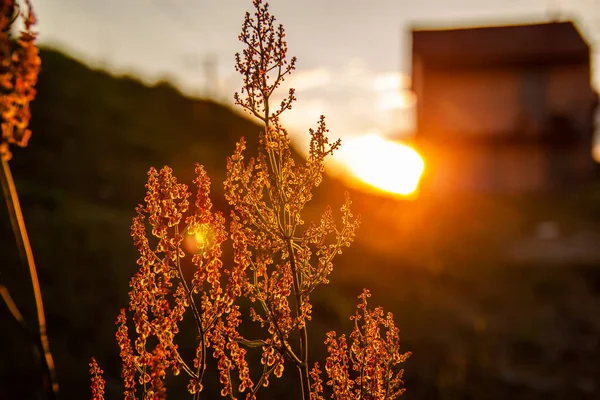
(302, 80)
(304, 116)
(391, 81)
(396, 100)
(393, 91)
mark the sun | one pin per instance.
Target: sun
(383, 164)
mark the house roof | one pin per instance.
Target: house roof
(535, 43)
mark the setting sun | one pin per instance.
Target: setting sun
(384, 164)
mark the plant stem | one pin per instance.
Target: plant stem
(197, 317)
(14, 310)
(22, 239)
(303, 366)
(304, 374)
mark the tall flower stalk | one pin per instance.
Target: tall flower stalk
(269, 193)
(278, 262)
(19, 68)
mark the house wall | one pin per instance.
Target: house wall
(464, 115)
(467, 102)
(494, 101)
(570, 93)
(508, 170)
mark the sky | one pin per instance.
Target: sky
(353, 55)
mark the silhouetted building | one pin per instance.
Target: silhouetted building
(504, 109)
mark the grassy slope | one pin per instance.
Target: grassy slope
(479, 328)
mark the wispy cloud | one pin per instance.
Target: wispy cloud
(309, 79)
(391, 81)
(393, 91)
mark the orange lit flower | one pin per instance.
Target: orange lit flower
(278, 260)
(98, 382)
(19, 69)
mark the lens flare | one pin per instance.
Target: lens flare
(384, 164)
(199, 239)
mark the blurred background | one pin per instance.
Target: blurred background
(469, 131)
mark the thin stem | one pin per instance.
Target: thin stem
(252, 343)
(186, 367)
(303, 367)
(363, 345)
(387, 379)
(12, 307)
(144, 380)
(202, 363)
(22, 239)
(286, 348)
(14, 310)
(265, 375)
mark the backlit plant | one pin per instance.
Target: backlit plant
(279, 260)
(19, 69)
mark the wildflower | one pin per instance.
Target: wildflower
(268, 194)
(97, 381)
(19, 69)
(369, 367)
(278, 260)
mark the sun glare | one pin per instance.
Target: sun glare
(199, 239)
(596, 152)
(386, 165)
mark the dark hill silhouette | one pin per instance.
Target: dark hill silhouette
(118, 127)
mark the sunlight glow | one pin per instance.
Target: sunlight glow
(401, 100)
(309, 79)
(391, 82)
(384, 164)
(596, 152)
(393, 90)
(199, 239)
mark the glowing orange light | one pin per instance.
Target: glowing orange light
(596, 152)
(389, 166)
(199, 239)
